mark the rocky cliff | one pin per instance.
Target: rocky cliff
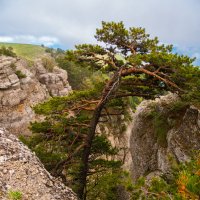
(22, 86)
(164, 132)
(22, 173)
(119, 135)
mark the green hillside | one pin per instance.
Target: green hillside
(27, 51)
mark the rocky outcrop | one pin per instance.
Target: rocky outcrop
(22, 172)
(180, 128)
(55, 81)
(22, 87)
(119, 135)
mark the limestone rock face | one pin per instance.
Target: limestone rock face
(22, 87)
(55, 81)
(151, 158)
(119, 135)
(21, 171)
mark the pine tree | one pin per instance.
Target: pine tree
(132, 64)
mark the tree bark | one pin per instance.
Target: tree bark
(110, 87)
(86, 152)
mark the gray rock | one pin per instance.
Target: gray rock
(21, 170)
(55, 81)
(148, 156)
(19, 95)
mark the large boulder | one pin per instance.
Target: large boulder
(21, 172)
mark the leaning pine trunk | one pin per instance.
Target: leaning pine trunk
(108, 90)
(86, 153)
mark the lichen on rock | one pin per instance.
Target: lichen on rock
(21, 170)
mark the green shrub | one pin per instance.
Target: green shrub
(160, 125)
(20, 75)
(160, 119)
(7, 51)
(49, 50)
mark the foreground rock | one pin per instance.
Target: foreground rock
(22, 172)
(23, 86)
(179, 129)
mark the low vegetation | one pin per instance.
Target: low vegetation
(7, 51)
(48, 63)
(26, 51)
(14, 195)
(76, 75)
(19, 74)
(183, 184)
(165, 117)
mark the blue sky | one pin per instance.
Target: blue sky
(64, 23)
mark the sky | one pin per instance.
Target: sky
(65, 23)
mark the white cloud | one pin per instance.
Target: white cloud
(70, 22)
(47, 41)
(30, 39)
(6, 39)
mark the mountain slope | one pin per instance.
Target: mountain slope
(27, 51)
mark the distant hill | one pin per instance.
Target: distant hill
(27, 51)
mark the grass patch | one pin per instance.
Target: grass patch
(48, 63)
(14, 195)
(27, 51)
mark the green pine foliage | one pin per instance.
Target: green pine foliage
(77, 72)
(129, 66)
(58, 136)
